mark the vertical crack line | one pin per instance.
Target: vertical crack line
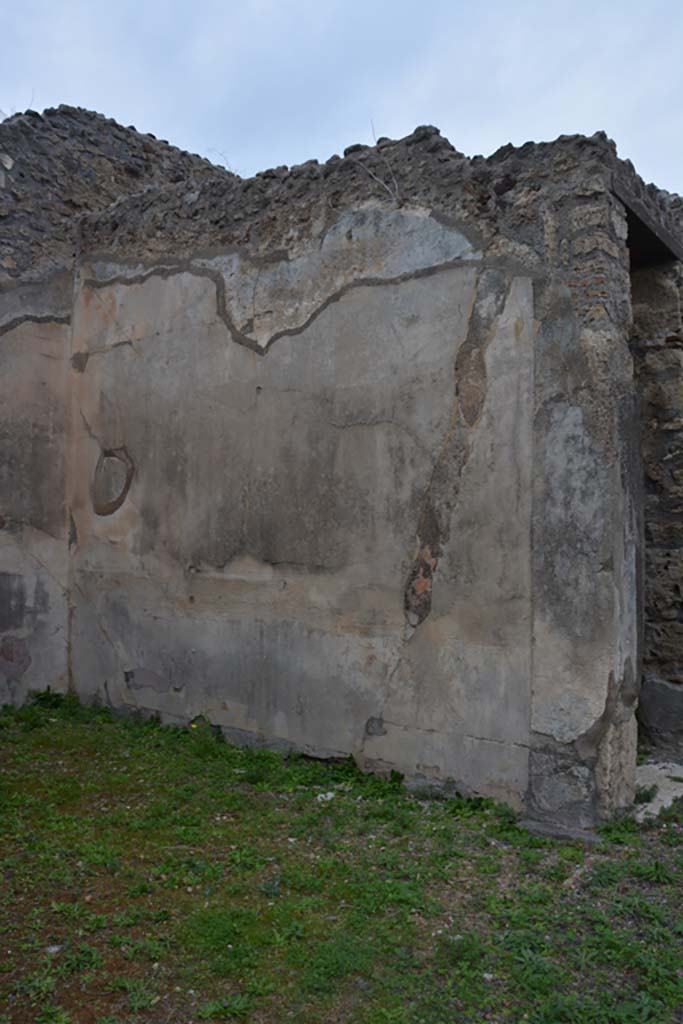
(470, 386)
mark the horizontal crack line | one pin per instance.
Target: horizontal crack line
(30, 318)
(238, 336)
(462, 735)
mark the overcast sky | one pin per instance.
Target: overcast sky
(256, 83)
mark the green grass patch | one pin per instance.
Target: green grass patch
(157, 874)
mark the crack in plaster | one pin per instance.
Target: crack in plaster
(30, 318)
(431, 533)
(89, 431)
(379, 717)
(243, 339)
(19, 543)
(411, 727)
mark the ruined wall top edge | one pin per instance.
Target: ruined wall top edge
(63, 163)
(79, 180)
(267, 215)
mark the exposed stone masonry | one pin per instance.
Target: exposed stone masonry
(63, 163)
(657, 339)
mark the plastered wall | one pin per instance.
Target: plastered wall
(344, 469)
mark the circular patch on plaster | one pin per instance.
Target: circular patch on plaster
(113, 476)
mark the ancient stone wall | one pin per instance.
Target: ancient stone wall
(658, 348)
(352, 465)
(66, 162)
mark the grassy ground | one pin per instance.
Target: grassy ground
(158, 875)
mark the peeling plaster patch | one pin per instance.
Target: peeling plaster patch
(620, 702)
(79, 361)
(418, 592)
(470, 392)
(605, 752)
(113, 475)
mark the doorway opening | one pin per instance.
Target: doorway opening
(657, 349)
